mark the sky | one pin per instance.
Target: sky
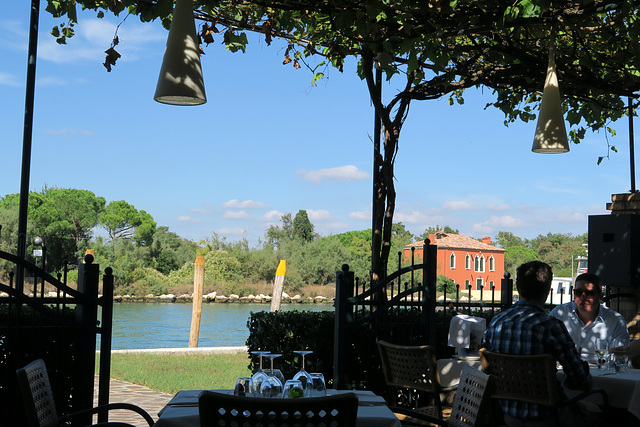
(268, 143)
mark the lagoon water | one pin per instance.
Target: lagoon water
(167, 325)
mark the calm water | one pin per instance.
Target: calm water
(164, 325)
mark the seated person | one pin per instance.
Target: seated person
(526, 329)
(591, 324)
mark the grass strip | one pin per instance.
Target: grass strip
(170, 373)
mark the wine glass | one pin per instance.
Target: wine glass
(261, 375)
(244, 387)
(292, 390)
(600, 357)
(318, 386)
(272, 386)
(303, 376)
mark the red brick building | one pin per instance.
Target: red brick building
(469, 262)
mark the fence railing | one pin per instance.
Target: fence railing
(42, 317)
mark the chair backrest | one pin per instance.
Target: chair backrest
(470, 406)
(37, 395)
(412, 367)
(218, 409)
(530, 378)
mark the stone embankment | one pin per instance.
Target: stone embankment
(213, 297)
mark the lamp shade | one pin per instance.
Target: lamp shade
(551, 134)
(180, 81)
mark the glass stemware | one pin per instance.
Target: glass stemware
(260, 375)
(303, 376)
(601, 357)
(272, 386)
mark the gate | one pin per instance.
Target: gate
(399, 309)
(42, 317)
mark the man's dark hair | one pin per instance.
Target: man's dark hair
(590, 278)
(533, 280)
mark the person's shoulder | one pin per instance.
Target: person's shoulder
(562, 309)
(610, 312)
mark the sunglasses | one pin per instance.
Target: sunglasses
(582, 292)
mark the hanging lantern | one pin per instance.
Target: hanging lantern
(180, 81)
(551, 134)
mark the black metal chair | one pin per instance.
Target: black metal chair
(40, 405)
(219, 410)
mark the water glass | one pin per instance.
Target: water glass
(244, 387)
(318, 386)
(292, 389)
(601, 357)
(621, 363)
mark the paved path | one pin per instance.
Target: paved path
(122, 391)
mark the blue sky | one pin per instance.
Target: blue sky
(269, 143)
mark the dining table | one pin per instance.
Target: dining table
(182, 409)
(623, 388)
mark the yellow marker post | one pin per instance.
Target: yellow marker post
(278, 285)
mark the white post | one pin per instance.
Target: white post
(198, 285)
(278, 286)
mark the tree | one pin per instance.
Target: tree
(124, 221)
(277, 236)
(302, 227)
(433, 230)
(435, 49)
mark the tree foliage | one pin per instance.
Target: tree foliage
(432, 49)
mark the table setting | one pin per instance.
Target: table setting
(269, 383)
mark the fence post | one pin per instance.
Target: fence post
(87, 316)
(342, 328)
(105, 342)
(506, 292)
(429, 276)
(196, 311)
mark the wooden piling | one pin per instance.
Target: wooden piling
(278, 286)
(198, 285)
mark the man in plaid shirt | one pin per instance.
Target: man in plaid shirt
(525, 328)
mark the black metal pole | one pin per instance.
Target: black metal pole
(631, 151)
(26, 139)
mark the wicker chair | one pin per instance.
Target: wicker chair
(411, 368)
(217, 409)
(530, 378)
(471, 406)
(40, 405)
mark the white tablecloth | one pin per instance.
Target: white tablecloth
(623, 389)
(449, 370)
(182, 410)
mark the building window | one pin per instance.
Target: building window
(478, 284)
(491, 286)
(492, 264)
(452, 262)
(467, 262)
(479, 263)
(467, 284)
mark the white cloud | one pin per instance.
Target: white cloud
(69, 131)
(7, 79)
(246, 204)
(413, 217)
(494, 223)
(562, 217)
(341, 173)
(185, 218)
(318, 215)
(272, 216)
(360, 215)
(235, 215)
(458, 205)
(236, 231)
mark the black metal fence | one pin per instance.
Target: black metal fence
(42, 317)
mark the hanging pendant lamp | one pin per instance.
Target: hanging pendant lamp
(551, 134)
(180, 81)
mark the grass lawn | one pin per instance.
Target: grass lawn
(170, 373)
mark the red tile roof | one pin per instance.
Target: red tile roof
(458, 241)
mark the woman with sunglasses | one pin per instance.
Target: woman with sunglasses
(591, 324)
